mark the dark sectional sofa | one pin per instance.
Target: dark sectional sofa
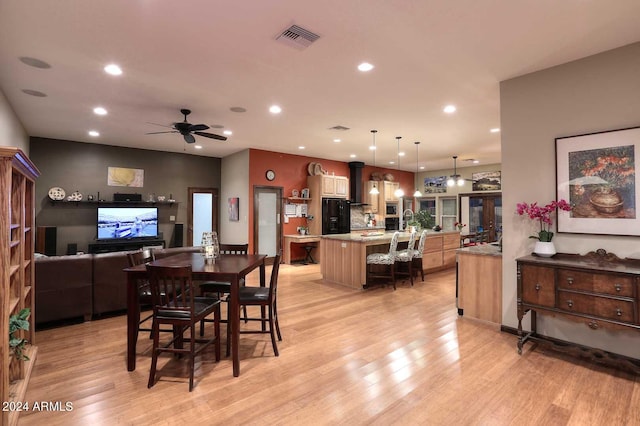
(86, 285)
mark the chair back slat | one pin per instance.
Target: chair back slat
(412, 241)
(141, 256)
(171, 289)
(234, 248)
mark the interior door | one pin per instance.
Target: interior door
(202, 214)
(482, 211)
(267, 214)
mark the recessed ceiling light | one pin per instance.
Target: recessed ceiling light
(495, 130)
(238, 109)
(392, 162)
(301, 147)
(113, 69)
(365, 66)
(33, 62)
(337, 140)
(401, 154)
(36, 93)
(275, 109)
(227, 132)
(450, 109)
(352, 156)
(99, 111)
(94, 133)
(421, 167)
(372, 148)
(197, 146)
(476, 161)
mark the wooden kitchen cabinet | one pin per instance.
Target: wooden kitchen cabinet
(328, 186)
(389, 190)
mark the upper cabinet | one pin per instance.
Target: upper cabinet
(389, 190)
(328, 186)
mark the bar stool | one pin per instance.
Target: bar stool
(308, 248)
(386, 259)
(406, 256)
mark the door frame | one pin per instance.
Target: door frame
(279, 190)
(214, 210)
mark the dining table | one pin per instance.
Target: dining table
(227, 268)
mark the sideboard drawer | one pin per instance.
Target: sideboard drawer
(597, 283)
(538, 285)
(604, 307)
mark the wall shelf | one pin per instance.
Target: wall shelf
(114, 203)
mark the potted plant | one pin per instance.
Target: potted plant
(544, 246)
(413, 225)
(16, 343)
(424, 218)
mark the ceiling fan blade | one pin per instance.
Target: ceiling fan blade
(161, 125)
(211, 135)
(157, 133)
(198, 127)
(189, 138)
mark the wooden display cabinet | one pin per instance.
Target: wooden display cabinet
(17, 243)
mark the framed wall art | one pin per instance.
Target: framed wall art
(486, 181)
(597, 174)
(435, 185)
(234, 209)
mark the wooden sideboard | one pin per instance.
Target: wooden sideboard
(598, 289)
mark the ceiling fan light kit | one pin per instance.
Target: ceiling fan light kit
(455, 178)
(187, 130)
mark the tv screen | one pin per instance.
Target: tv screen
(127, 222)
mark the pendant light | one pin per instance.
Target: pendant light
(398, 192)
(374, 190)
(455, 178)
(417, 193)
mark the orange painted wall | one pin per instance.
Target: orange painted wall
(291, 173)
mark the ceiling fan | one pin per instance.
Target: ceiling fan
(455, 178)
(187, 130)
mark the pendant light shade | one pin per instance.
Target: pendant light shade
(374, 190)
(398, 192)
(417, 193)
(455, 178)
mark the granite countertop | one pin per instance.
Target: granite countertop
(482, 249)
(367, 228)
(377, 235)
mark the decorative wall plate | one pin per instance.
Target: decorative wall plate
(57, 193)
(75, 196)
(295, 193)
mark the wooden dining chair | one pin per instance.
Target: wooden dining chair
(140, 257)
(175, 303)
(263, 297)
(219, 288)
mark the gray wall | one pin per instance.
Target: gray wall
(12, 132)
(76, 166)
(600, 92)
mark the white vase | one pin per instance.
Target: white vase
(544, 249)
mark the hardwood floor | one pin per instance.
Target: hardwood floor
(347, 357)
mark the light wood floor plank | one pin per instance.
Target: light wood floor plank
(377, 357)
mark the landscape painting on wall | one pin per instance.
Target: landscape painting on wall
(434, 185)
(486, 181)
(597, 175)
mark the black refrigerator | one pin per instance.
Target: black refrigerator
(336, 216)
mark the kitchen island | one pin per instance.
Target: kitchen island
(344, 256)
(479, 283)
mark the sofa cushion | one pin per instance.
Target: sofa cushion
(63, 287)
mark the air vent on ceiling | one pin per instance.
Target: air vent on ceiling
(341, 128)
(297, 37)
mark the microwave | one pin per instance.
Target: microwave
(392, 209)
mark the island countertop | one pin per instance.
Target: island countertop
(379, 237)
(482, 249)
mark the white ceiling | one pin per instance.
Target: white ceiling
(211, 55)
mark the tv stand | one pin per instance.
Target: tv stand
(123, 245)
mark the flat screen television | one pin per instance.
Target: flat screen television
(122, 223)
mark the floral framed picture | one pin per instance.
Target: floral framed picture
(597, 174)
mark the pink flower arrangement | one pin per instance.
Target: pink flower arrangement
(543, 215)
(459, 225)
